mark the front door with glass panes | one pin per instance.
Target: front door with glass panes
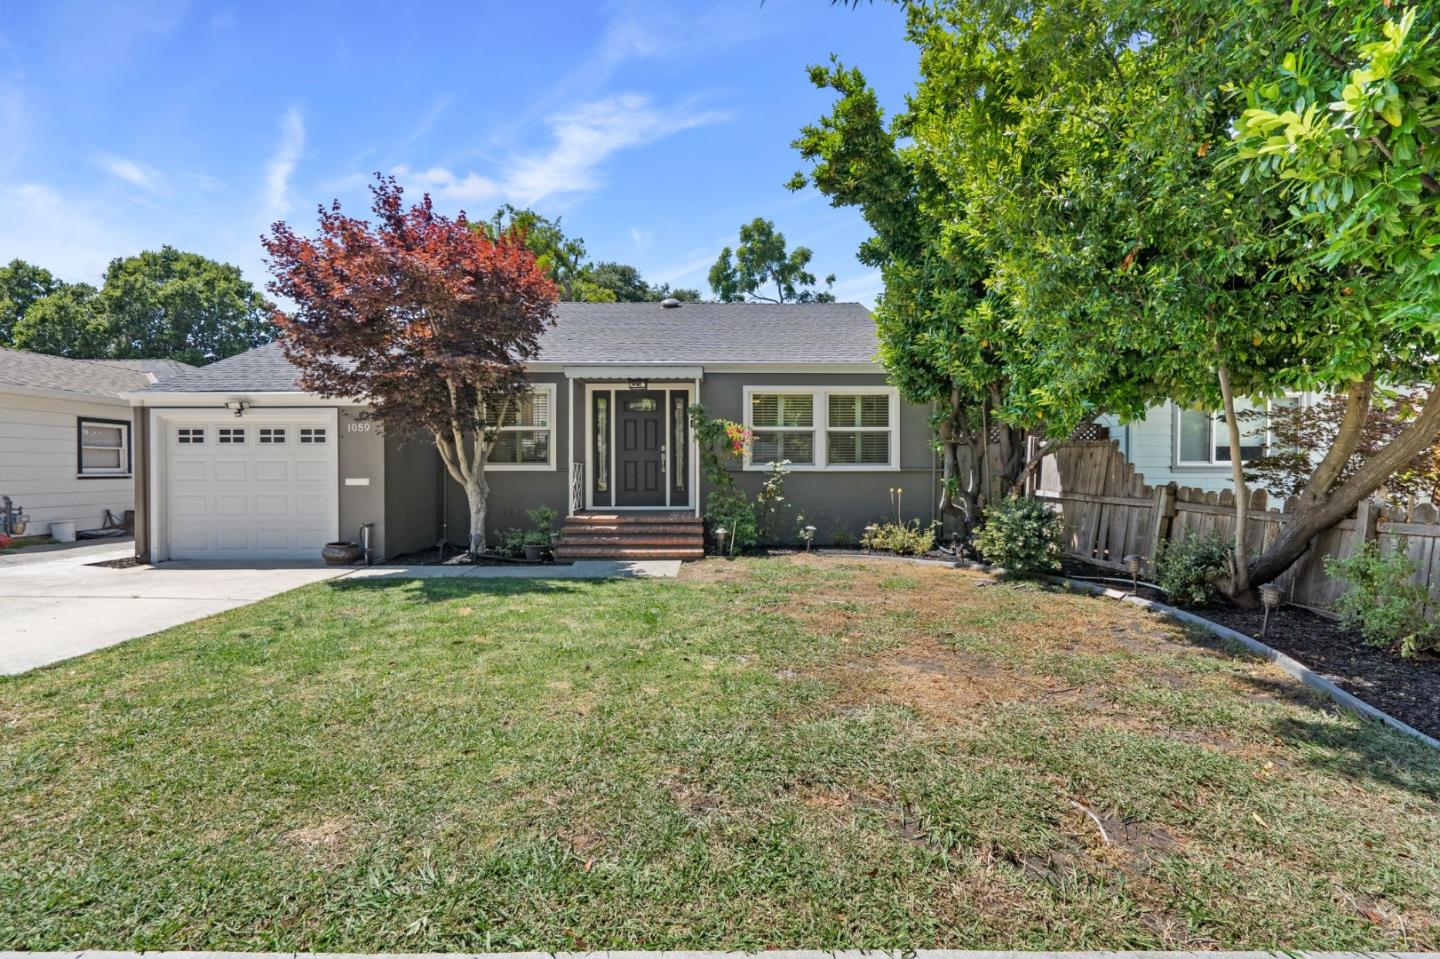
(639, 447)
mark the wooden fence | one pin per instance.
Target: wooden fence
(1110, 512)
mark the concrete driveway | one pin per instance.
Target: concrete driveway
(62, 607)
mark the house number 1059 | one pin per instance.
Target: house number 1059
(358, 427)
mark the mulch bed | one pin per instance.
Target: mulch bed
(1408, 689)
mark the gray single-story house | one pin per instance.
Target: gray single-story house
(235, 462)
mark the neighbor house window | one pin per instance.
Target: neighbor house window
(104, 447)
(526, 439)
(817, 428)
(1203, 437)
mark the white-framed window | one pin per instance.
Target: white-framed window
(312, 435)
(272, 435)
(1202, 437)
(526, 439)
(230, 435)
(190, 436)
(829, 428)
(102, 448)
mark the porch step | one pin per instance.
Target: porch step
(657, 535)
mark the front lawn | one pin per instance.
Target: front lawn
(767, 753)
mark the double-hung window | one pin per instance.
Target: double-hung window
(103, 448)
(526, 438)
(854, 428)
(1202, 437)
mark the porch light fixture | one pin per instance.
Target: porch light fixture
(1270, 596)
(808, 535)
(1132, 563)
(237, 406)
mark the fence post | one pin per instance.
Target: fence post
(1163, 511)
(1367, 519)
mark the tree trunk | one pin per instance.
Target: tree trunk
(1320, 510)
(477, 494)
(1240, 559)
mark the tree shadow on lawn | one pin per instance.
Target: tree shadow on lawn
(443, 589)
(1371, 753)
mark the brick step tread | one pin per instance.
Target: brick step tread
(630, 553)
(625, 542)
(632, 519)
(646, 529)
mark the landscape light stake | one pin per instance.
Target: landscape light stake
(869, 536)
(720, 532)
(1132, 563)
(1270, 596)
(808, 534)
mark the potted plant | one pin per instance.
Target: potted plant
(537, 541)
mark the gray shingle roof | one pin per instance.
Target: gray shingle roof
(108, 378)
(618, 333)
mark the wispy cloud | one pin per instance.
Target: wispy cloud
(429, 118)
(280, 168)
(442, 184)
(860, 289)
(582, 140)
(131, 171)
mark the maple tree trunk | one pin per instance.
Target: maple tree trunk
(477, 494)
(1321, 509)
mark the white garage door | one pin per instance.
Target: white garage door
(250, 488)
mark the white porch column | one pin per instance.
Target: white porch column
(695, 452)
(570, 445)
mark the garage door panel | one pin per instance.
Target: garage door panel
(271, 504)
(194, 504)
(232, 504)
(313, 470)
(251, 501)
(231, 471)
(189, 471)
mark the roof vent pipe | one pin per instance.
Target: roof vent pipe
(670, 303)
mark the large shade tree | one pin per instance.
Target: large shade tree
(1134, 254)
(761, 268)
(428, 321)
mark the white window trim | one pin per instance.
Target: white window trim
(1306, 399)
(124, 470)
(549, 465)
(821, 427)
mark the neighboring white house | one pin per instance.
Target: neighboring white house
(1191, 446)
(65, 435)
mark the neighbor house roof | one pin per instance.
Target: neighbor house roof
(800, 334)
(84, 378)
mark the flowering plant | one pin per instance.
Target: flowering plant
(4, 540)
(737, 436)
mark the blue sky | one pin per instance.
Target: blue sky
(654, 129)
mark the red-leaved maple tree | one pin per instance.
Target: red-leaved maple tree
(423, 319)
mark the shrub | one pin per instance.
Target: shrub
(1381, 602)
(905, 539)
(1185, 566)
(730, 508)
(1023, 535)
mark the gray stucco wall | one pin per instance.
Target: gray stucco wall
(838, 503)
(412, 490)
(362, 457)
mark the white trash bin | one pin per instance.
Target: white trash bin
(63, 532)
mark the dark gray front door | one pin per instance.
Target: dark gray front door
(639, 448)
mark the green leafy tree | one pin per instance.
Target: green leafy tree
(68, 322)
(684, 294)
(760, 268)
(621, 280)
(1127, 251)
(21, 284)
(181, 306)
